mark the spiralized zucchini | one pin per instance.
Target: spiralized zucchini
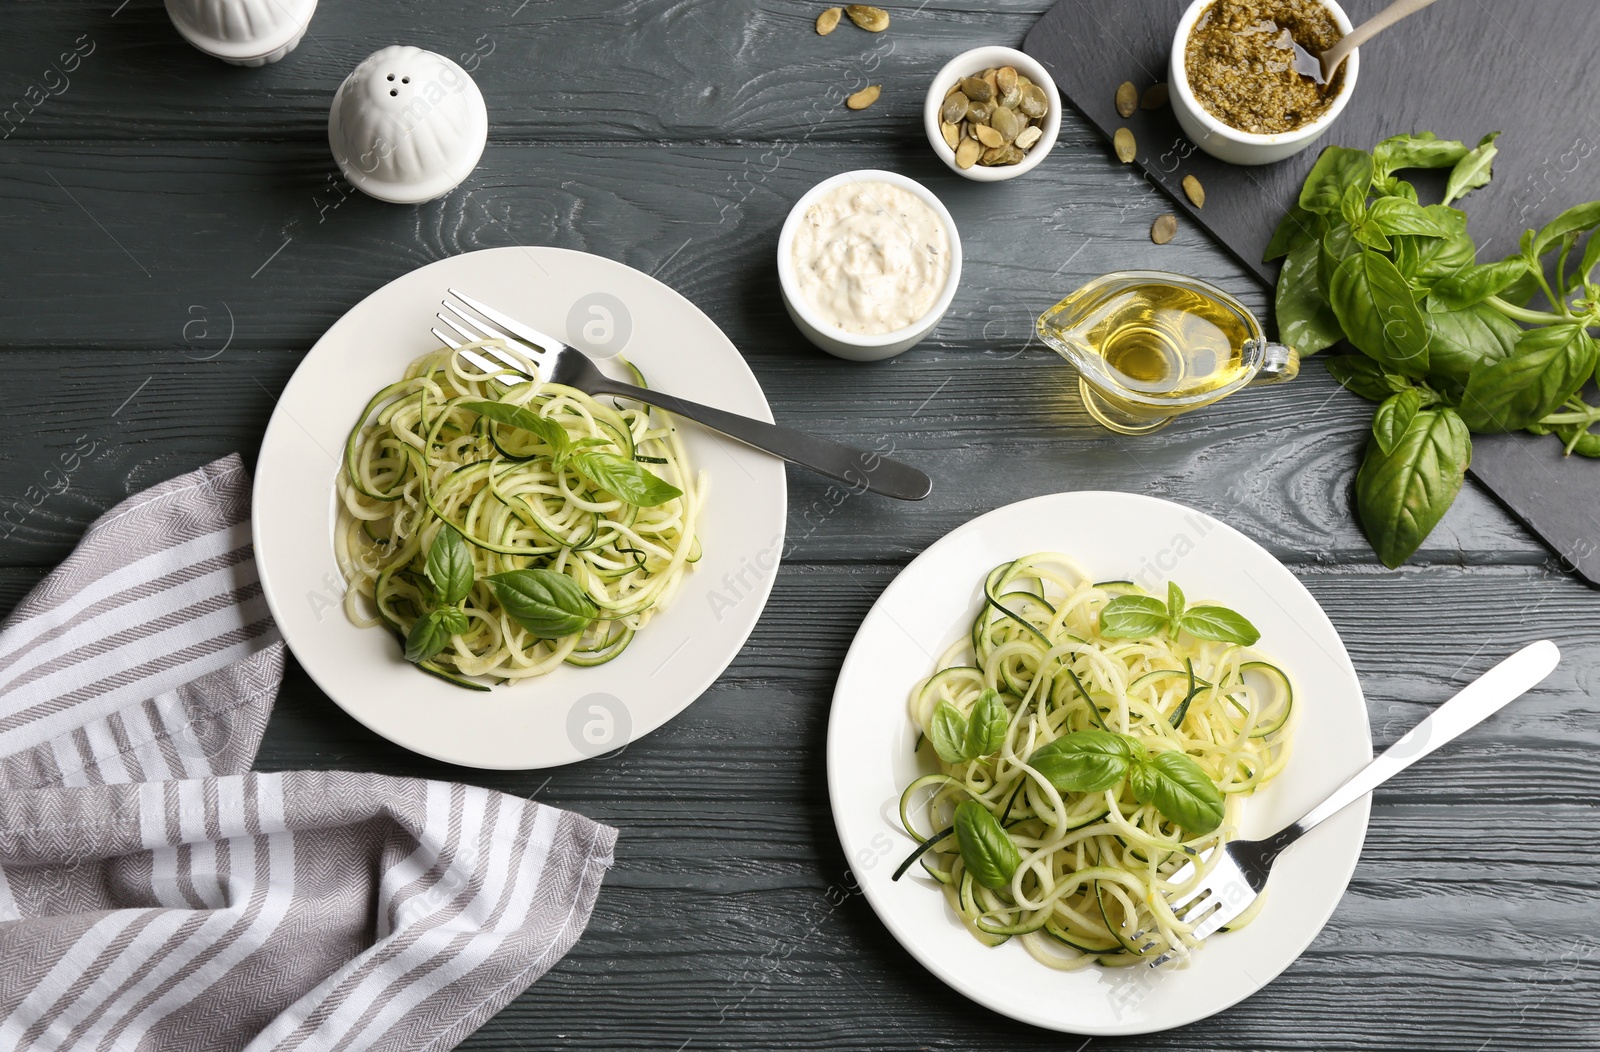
(419, 458)
(1095, 874)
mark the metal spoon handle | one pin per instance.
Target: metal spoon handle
(1479, 700)
(858, 468)
(1332, 57)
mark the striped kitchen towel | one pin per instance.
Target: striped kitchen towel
(154, 896)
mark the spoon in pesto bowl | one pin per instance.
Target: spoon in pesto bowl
(1321, 68)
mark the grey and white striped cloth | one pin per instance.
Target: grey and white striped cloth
(155, 896)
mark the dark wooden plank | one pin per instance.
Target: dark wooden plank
(715, 69)
(991, 426)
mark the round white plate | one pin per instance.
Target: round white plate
(605, 308)
(1115, 536)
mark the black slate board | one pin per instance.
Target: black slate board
(1457, 69)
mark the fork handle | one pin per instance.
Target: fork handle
(1481, 698)
(859, 468)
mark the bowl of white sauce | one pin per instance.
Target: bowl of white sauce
(868, 262)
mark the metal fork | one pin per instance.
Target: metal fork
(1242, 872)
(469, 321)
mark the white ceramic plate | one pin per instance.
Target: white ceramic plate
(603, 307)
(1115, 536)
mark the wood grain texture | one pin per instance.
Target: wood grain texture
(176, 237)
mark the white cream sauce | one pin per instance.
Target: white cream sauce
(871, 258)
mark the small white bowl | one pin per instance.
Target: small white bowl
(976, 61)
(1230, 144)
(855, 346)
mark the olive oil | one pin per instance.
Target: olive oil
(1149, 346)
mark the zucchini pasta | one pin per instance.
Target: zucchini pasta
(1090, 740)
(500, 531)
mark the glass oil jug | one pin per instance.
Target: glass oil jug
(1150, 346)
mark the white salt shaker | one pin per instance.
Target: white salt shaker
(407, 125)
(243, 32)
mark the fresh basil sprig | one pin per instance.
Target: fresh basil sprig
(1365, 262)
(548, 604)
(958, 739)
(1142, 616)
(449, 569)
(1092, 761)
(620, 476)
(986, 848)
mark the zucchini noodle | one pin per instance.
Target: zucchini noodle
(419, 458)
(1096, 868)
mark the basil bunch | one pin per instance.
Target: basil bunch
(619, 476)
(1142, 616)
(957, 738)
(1449, 346)
(1091, 761)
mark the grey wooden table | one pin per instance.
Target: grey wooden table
(176, 236)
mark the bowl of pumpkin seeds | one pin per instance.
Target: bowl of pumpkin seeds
(992, 113)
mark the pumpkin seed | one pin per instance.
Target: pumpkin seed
(1030, 135)
(955, 108)
(1007, 123)
(872, 19)
(967, 153)
(1033, 102)
(1123, 143)
(977, 89)
(952, 134)
(1164, 229)
(953, 89)
(1196, 192)
(1000, 156)
(1154, 97)
(979, 111)
(1005, 79)
(1127, 99)
(988, 136)
(865, 97)
(828, 21)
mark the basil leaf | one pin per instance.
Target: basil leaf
(1133, 617)
(1175, 600)
(1575, 219)
(1371, 236)
(1460, 339)
(1396, 215)
(427, 637)
(454, 619)
(948, 732)
(548, 431)
(1392, 187)
(624, 479)
(1477, 283)
(1591, 257)
(1365, 377)
(1337, 169)
(1218, 623)
(1401, 495)
(549, 605)
(1180, 789)
(1423, 150)
(1394, 416)
(1297, 227)
(449, 565)
(986, 848)
(1084, 761)
(1305, 318)
(1424, 260)
(1337, 245)
(1376, 309)
(1548, 366)
(986, 727)
(1473, 170)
